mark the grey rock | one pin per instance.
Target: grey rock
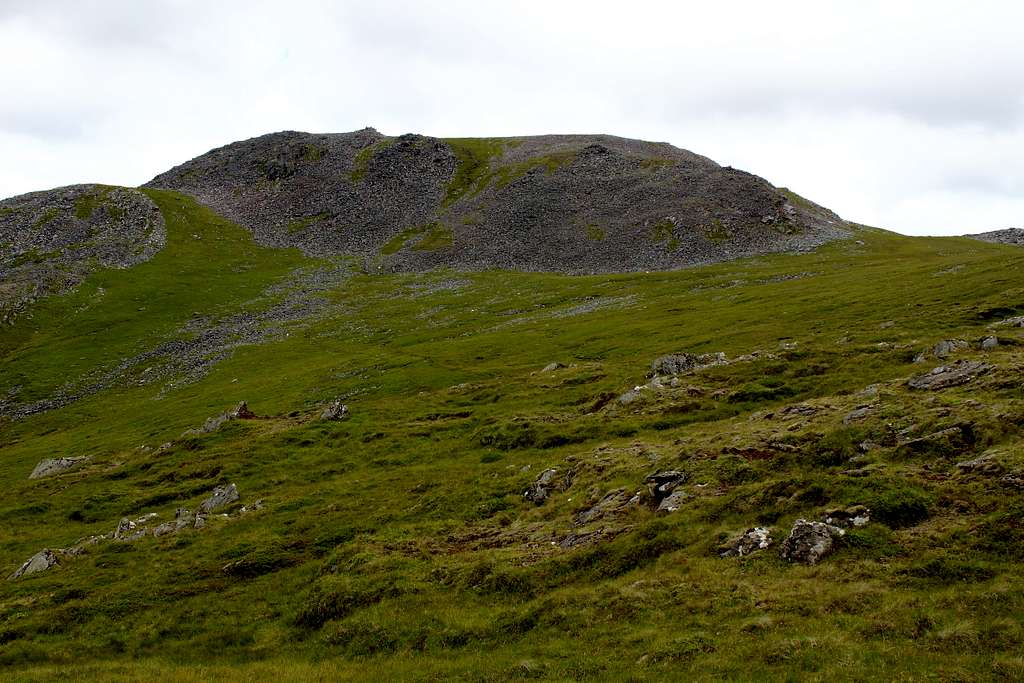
(541, 487)
(240, 412)
(133, 529)
(53, 466)
(988, 343)
(809, 542)
(683, 363)
(183, 518)
(551, 367)
(673, 501)
(613, 502)
(40, 562)
(952, 375)
(222, 496)
(1016, 321)
(750, 541)
(334, 412)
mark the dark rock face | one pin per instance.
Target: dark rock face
(51, 241)
(569, 203)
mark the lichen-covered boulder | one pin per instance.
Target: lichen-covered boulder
(40, 562)
(809, 542)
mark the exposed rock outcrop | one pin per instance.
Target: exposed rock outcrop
(953, 375)
(52, 466)
(566, 203)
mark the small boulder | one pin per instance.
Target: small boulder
(183, 518)
(952, 375)
(51, 466)
(989, 343)
(673, 501)
(551, 367)
(241, 412)
(132, 529)
(682, 363)
(748, 542)
(809, 542)
(222, 496)
(336, 410)
(40, 562)
(942, 349)
(540, 488)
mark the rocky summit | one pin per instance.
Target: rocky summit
(562, 203)
(569, 408)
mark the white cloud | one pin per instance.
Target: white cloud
(905, 115)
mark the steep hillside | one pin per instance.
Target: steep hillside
(570, 203)
(50, 241)
(770, 468)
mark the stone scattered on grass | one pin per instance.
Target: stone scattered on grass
(988, 343)
(240, 412)
(942, 349)
(222, 496)
(682, 363)
(40, 562)
(51, 466)
(673, 501)
(750, 541)
(952, 375)
(809, 542)
(335, 411)
(541, 487)
(551, 367)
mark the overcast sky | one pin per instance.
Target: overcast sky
(904, 115)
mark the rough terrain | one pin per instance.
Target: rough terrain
(563, 203)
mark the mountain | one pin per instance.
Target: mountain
(562, 203)
(225, 457)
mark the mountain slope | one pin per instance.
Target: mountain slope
(570, 203)
(51, 241)
(397, 543)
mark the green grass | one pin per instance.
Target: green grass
(302, 224)
(473, 158)
(396, 545)
(361, 164)
(432, 237)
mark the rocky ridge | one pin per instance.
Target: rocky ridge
(565, 203)
(51, 241)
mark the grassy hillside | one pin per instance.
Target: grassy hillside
(397, 544)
